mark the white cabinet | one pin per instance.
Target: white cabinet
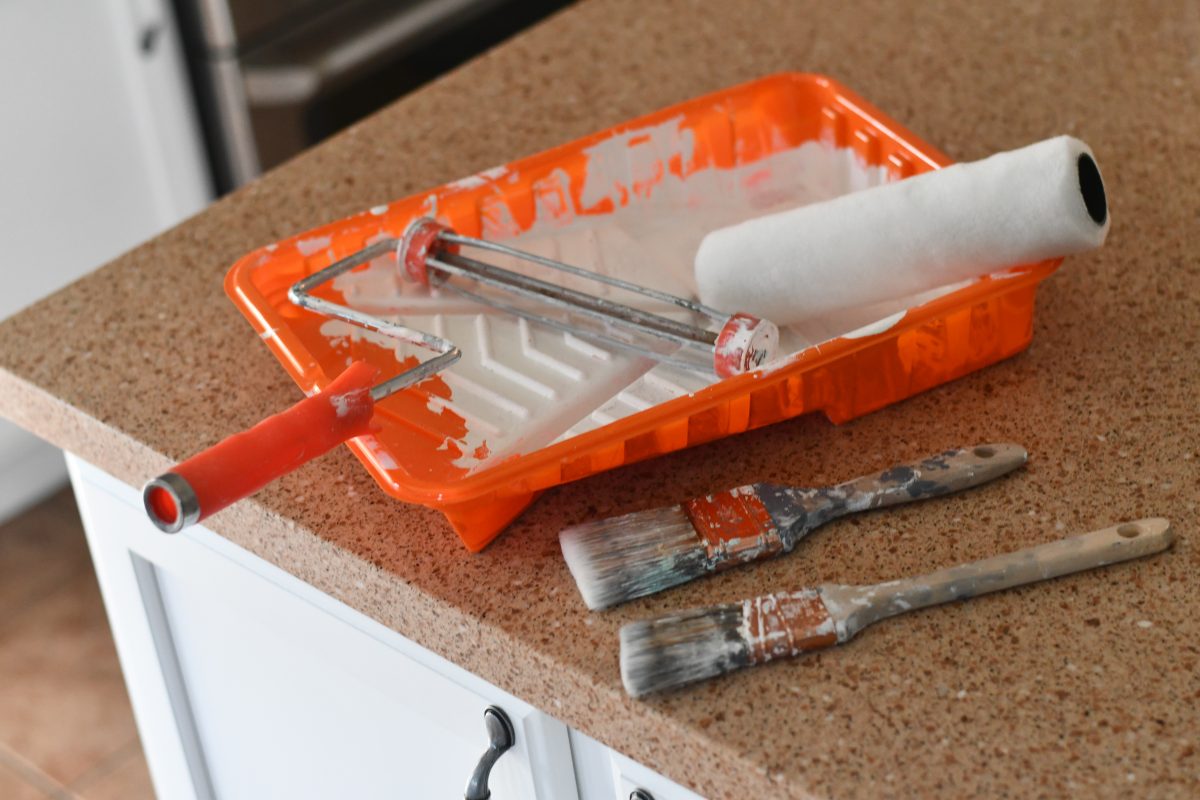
(298, 704)
(604, 774)
(248, 683)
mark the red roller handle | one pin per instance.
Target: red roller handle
(245, 462)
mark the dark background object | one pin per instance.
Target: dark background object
(273, 78)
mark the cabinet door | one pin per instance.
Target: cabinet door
(281, 691)
(291, 703)
(605, 774)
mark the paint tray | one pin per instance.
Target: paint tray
(528, 408)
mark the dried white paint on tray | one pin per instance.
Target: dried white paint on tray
(521, 386)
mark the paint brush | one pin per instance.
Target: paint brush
(617, 559)
(702, 643)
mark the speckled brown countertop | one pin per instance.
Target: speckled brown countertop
(1089, 685)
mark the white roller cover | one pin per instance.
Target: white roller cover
(894, 240)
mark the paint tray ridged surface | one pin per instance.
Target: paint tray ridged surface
(527, 407)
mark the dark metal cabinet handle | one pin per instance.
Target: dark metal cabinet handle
(640, 794)
(501, 737)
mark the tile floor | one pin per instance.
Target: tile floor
(66, 728)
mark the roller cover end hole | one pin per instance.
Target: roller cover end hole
(1092, 188)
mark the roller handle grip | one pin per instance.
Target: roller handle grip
(245, 462)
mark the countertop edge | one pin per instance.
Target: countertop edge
(66, 427)
(554, 687)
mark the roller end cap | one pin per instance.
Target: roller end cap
(745, 343)
(420, 240)
(171, 503)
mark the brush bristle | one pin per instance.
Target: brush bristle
(617, 559)
(678, 649)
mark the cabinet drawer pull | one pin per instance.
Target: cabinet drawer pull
(501, 737)
(640, 794)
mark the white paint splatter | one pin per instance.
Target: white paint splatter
(381, 456)
(316, 244)
(479, 178)
(874, 328)
(343, 404)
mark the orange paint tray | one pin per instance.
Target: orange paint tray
(528, 409)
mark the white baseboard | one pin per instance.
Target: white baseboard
(30, 470)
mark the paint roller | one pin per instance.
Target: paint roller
(942, 227)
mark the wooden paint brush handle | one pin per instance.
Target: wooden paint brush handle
(951, 471)
(944, 473)
(855, 607)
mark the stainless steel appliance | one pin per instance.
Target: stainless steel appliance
(273, 77)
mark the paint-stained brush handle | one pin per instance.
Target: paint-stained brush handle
(730, 521)
(855, 607)
(245, 462)
(944, 473)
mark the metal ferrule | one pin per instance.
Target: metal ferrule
(728, 553)
(181, 494)
(735, 527)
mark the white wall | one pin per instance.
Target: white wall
(99, 150)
